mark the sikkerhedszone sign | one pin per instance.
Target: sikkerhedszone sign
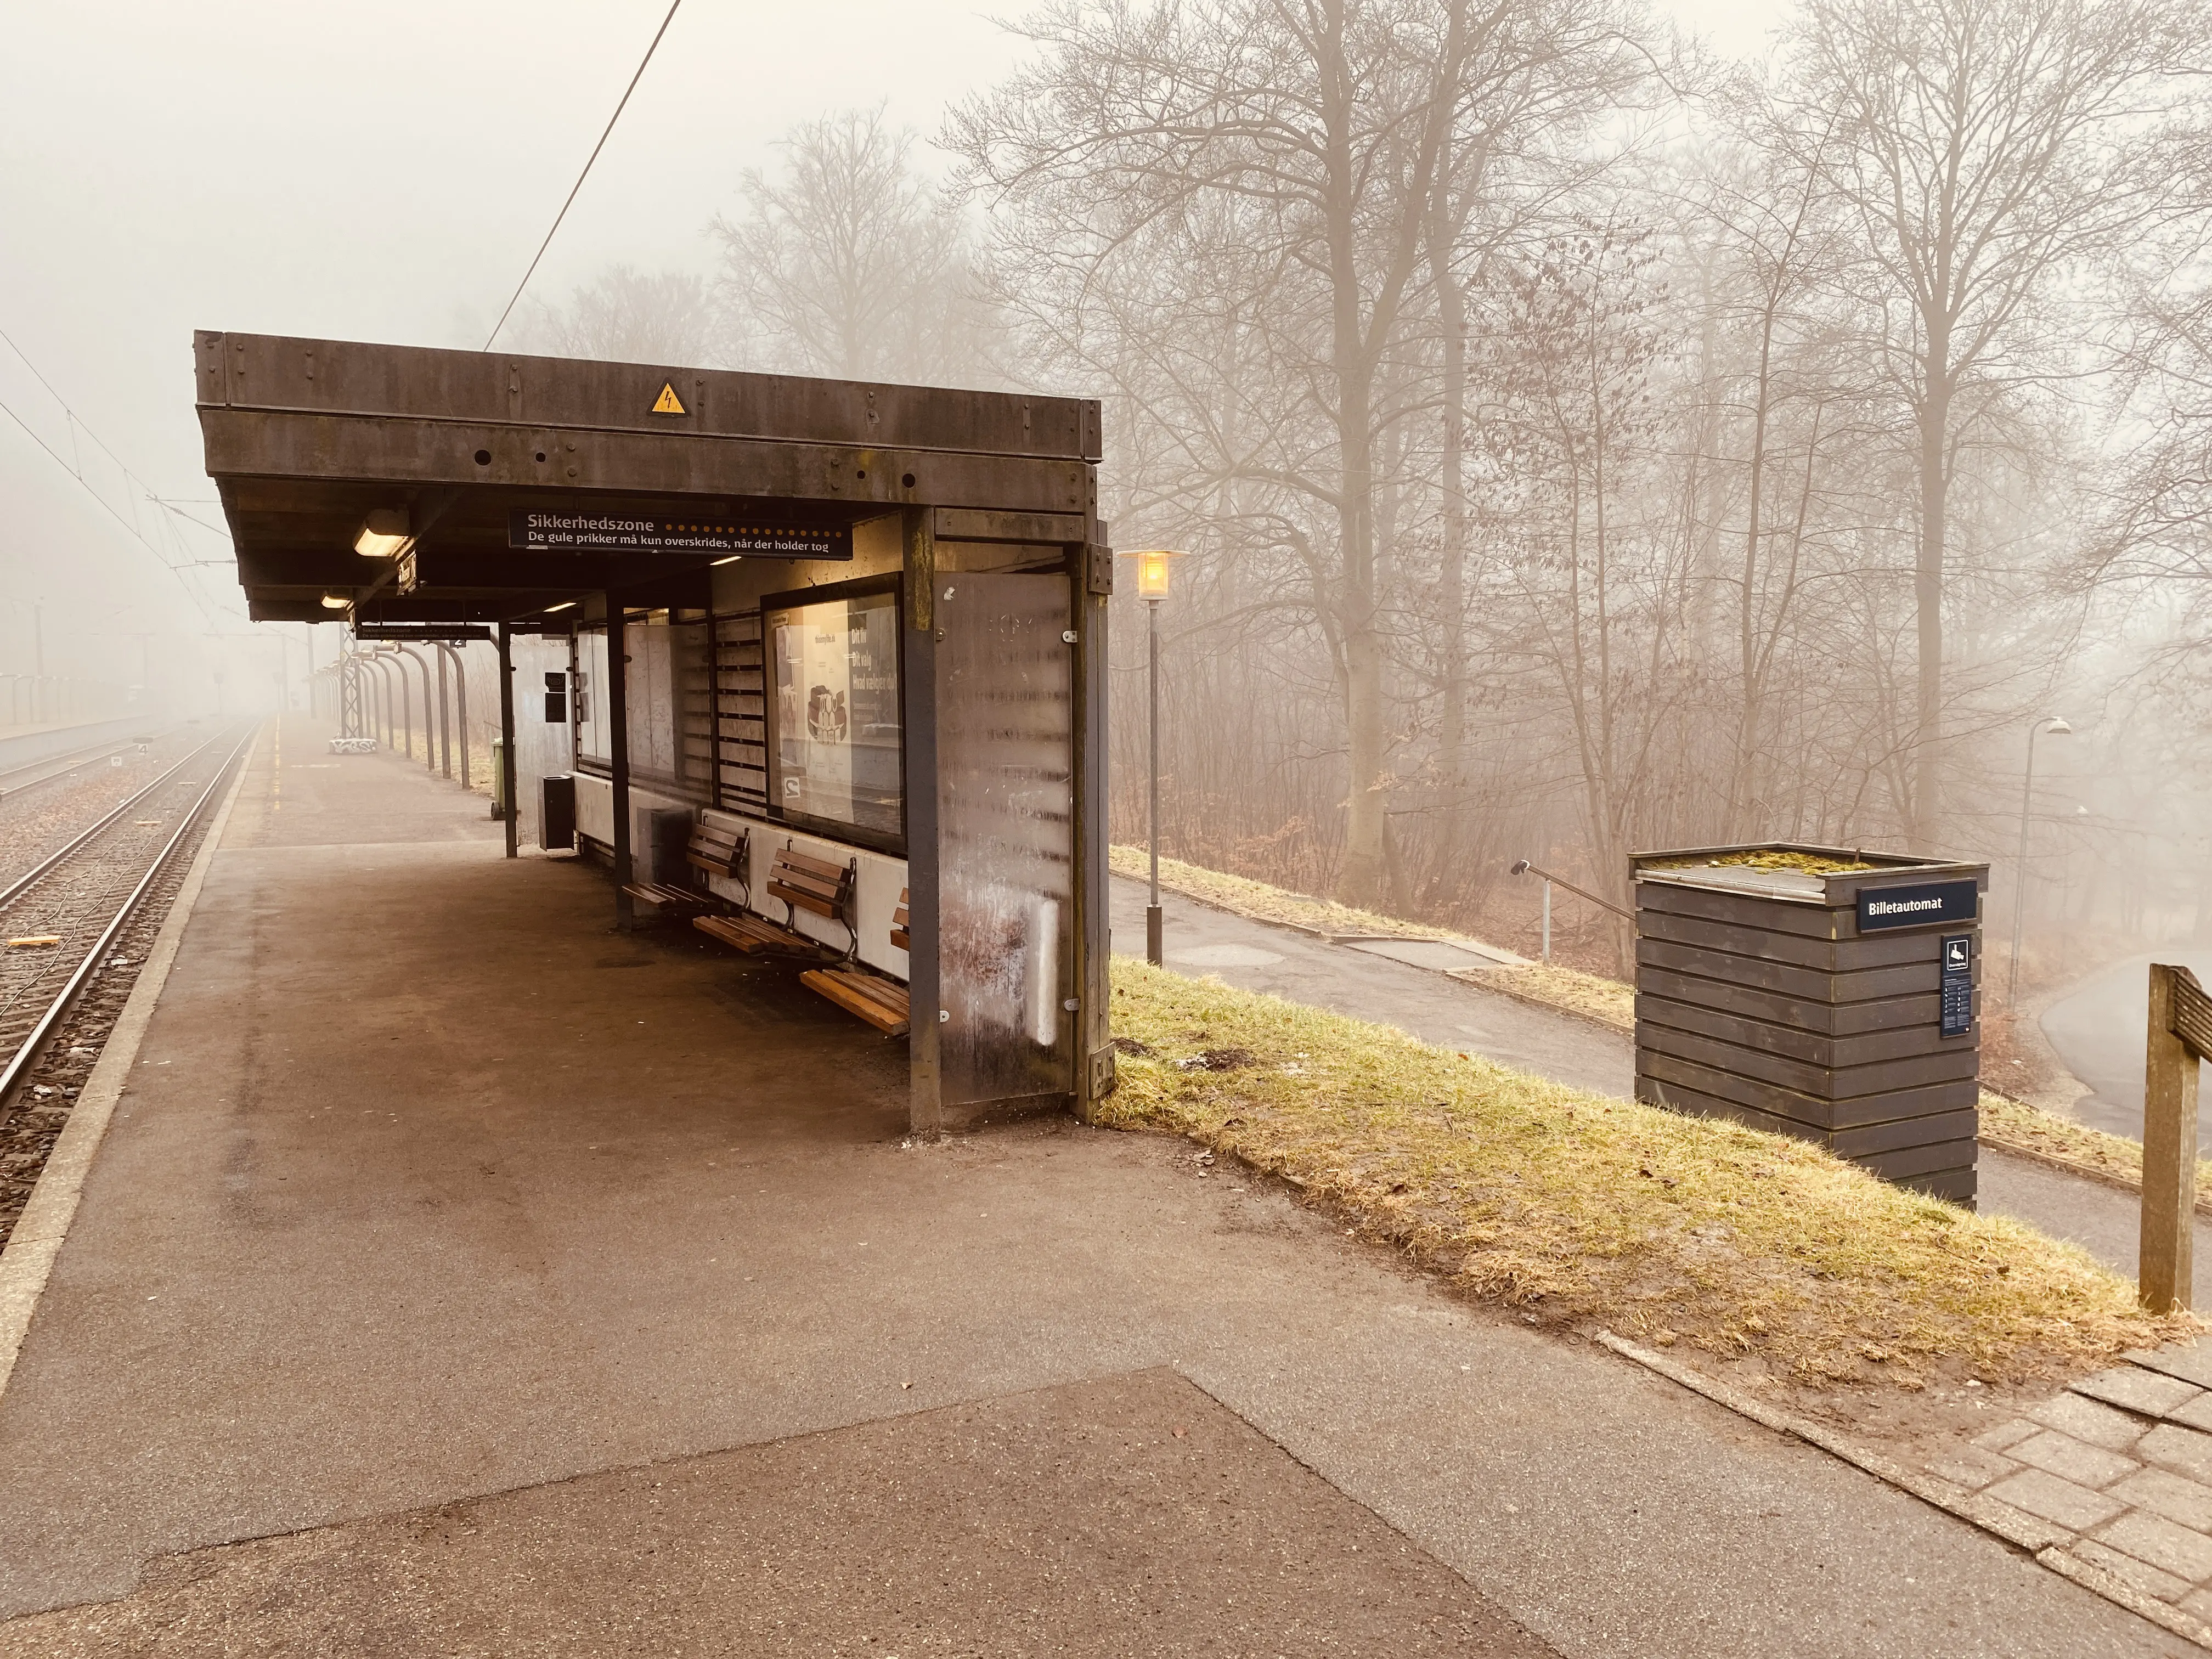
(552, 531)
(1936, 902)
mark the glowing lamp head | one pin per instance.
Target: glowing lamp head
(337, 601)
(1152, 572)
(383, 534)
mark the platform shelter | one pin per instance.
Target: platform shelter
(863, 650)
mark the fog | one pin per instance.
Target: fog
(1614, 429)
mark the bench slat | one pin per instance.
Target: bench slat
(805, 901)
(661, 893)
(756, 937)
(814, 884)
(812, 866)
(882, 1003)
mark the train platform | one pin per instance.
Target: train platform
(458, 1275)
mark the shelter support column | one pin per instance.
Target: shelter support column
(507, 733)
(1092, 581)
(918, 666)
(618, 755)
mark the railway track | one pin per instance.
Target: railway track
(15, 781)
(63, 920)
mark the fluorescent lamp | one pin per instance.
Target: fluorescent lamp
(383, 534)
(567, 605)
(337, 601)
(732, 559)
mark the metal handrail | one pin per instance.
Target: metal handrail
(1561, 881)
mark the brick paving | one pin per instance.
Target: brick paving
(2117, 1472)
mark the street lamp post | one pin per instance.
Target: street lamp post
(2057, 728)
(1153, 587)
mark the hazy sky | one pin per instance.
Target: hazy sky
(380, 172)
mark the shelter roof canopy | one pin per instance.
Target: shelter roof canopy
(305, 439)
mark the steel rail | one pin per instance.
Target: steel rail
(34, 1042)
(23, 884)
(74, 761)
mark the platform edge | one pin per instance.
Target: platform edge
(37, 1241)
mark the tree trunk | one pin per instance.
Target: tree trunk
(1743, 791)
(1928, 599)
(1360, 882)
(1451, 725)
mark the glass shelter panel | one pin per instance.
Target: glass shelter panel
(592, 742)
(1006, 806)
(836, 761)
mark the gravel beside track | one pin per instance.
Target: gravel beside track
(37, 819)
(78, 900)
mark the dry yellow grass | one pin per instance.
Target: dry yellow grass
(1607, 1001)
(2020, 1127)
(2005, 1122)
(1256, 899)
(1664, 1227)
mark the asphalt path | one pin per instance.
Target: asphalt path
(2098, 1029)
(1433, 1006)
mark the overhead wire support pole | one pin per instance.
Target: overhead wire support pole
(515, 298)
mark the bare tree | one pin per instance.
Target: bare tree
(1331, 125)
(847, 263)
(1984, 149)
(629, 316)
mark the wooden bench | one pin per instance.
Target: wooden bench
(877, 998)
(720, 852)
(714, 850)
(803, 883)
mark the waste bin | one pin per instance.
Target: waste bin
(556, 822)
(1819, 992)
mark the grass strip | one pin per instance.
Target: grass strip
(2006, 1123)
(1593, 996)
(1607, 1001)
(1579, 1207)
(2016, 1126)
(1240, 895)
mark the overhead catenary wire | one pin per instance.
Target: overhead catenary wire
(77, 423)
(516, 297)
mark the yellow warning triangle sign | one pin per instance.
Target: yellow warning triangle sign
(668, 403)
